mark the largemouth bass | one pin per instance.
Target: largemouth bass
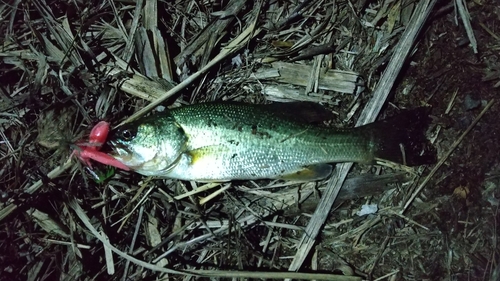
(235, 141)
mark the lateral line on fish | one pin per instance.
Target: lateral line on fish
(295, 135)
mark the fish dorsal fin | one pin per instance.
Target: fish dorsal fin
(309, 173)
(303, 112)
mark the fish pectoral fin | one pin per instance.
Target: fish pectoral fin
(205, 152)
(309, 173)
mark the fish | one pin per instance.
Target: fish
(225, 141)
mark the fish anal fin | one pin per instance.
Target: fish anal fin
(309, 173)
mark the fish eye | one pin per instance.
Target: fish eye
(128, 134)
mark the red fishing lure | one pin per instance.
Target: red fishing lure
(90, 150)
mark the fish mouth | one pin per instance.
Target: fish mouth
(127, 155)
(119, 150)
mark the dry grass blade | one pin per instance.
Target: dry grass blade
(465, 16)
(152, 48)
(215, 28)
(129, 47)
(277, 275)
(47, 223)
(108, 255)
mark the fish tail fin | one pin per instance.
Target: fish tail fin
(402, 138)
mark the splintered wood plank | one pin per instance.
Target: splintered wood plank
(329, 79)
